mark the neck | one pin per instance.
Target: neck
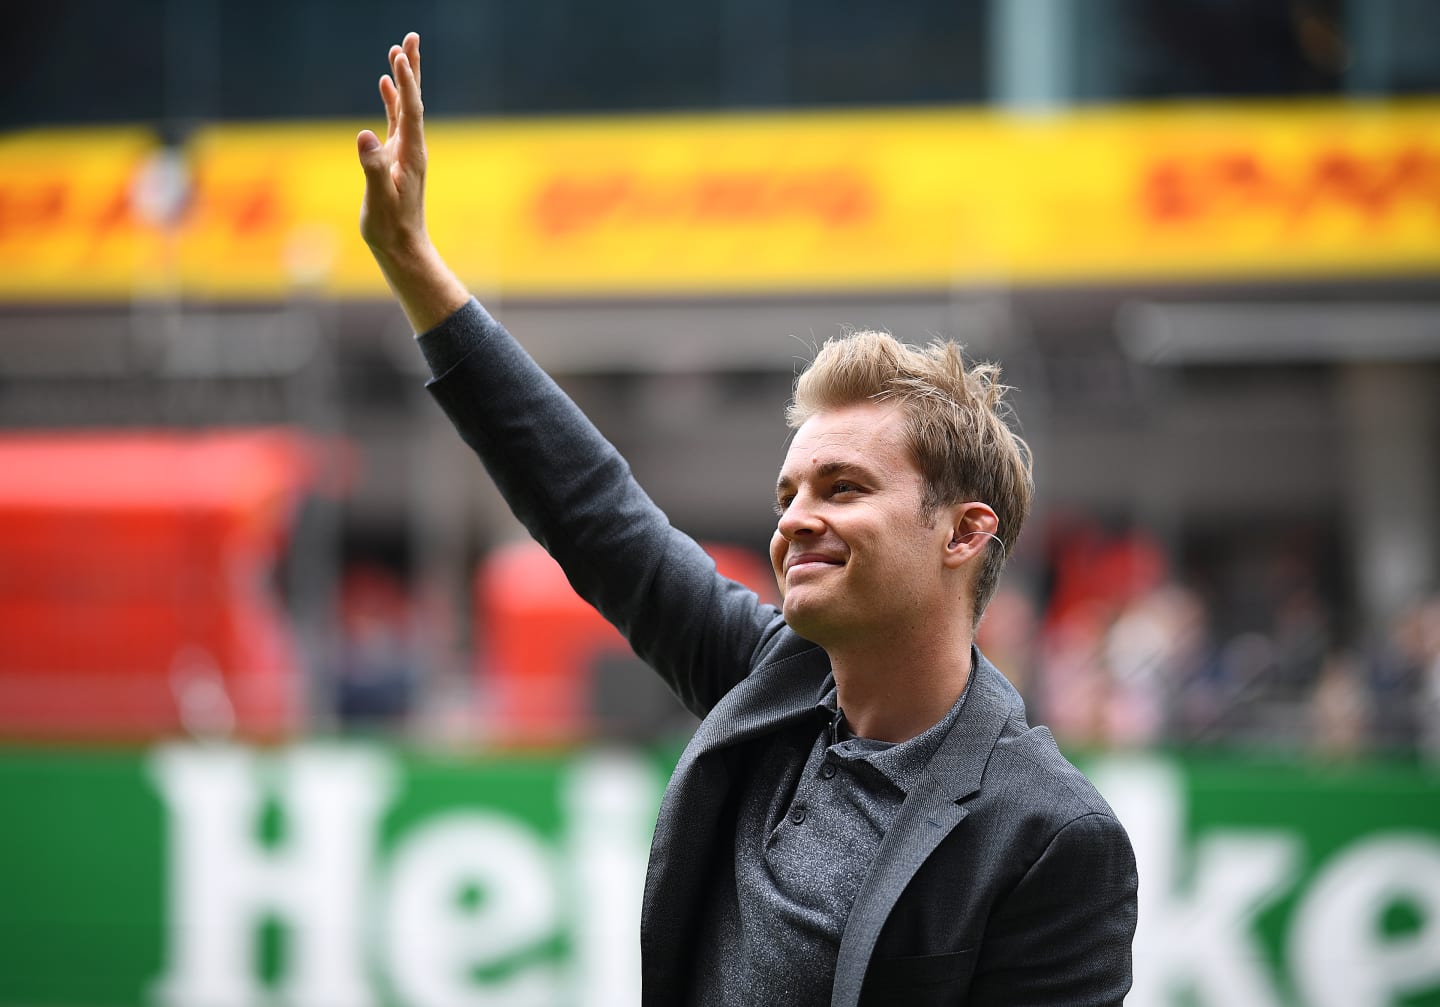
(893, 693)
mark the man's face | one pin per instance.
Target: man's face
(852, 552)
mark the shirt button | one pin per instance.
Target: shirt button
(798, 815)
(827, 770)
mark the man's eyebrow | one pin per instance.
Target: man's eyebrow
(829, 468)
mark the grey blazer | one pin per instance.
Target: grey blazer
(1004, 880)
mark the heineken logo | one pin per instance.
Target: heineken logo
(357, 876)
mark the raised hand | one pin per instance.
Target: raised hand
(392, 215)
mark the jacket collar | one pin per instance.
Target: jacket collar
(956, 769)
(783, 692)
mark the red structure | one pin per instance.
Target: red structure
(136, 594)
(543, 643)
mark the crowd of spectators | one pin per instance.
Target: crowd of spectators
(1129, 652)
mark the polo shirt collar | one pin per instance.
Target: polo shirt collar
(903, 764)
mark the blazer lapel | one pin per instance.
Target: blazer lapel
(765, 699)
(930, 812)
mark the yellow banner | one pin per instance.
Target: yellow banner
(713, 205)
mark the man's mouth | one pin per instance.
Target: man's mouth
(811, 561)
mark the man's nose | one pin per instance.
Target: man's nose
(800, 518)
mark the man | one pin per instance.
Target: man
(863, 815)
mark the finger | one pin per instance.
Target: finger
(392, 102)
(393, 57)
(412, 112)
(411, 46)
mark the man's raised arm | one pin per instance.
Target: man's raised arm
(392, 217)
(561, 477)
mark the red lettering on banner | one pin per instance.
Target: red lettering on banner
(113, 215)
(26, 209)
(37, 213)
(1374, 187)
(46, 211)
(1178, 191)
(568, 204)
(257, 209)
(244, 207)
(834, 198)
(114, 212)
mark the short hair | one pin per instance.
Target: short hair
(958, 427)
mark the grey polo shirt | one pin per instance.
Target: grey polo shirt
(812, 809)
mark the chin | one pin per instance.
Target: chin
(805, 620)
(802, 634)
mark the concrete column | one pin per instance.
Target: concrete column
(1031, 54)
(1391, 457)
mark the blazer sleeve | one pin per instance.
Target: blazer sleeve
(1063, 935)
(575, 494)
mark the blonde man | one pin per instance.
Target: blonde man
(864, 815)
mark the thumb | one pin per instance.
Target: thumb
(368, 145)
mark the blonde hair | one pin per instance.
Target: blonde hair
(957, 427)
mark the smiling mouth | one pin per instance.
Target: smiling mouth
(812, 562)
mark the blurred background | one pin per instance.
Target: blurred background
(266, 627)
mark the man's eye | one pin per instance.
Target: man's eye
(781, 504)
(843, 487)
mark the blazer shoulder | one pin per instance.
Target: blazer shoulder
(1027, 768)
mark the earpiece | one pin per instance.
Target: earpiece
(979, 531)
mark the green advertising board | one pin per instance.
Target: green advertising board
(363, 876)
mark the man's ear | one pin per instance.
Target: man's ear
(972, 526)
